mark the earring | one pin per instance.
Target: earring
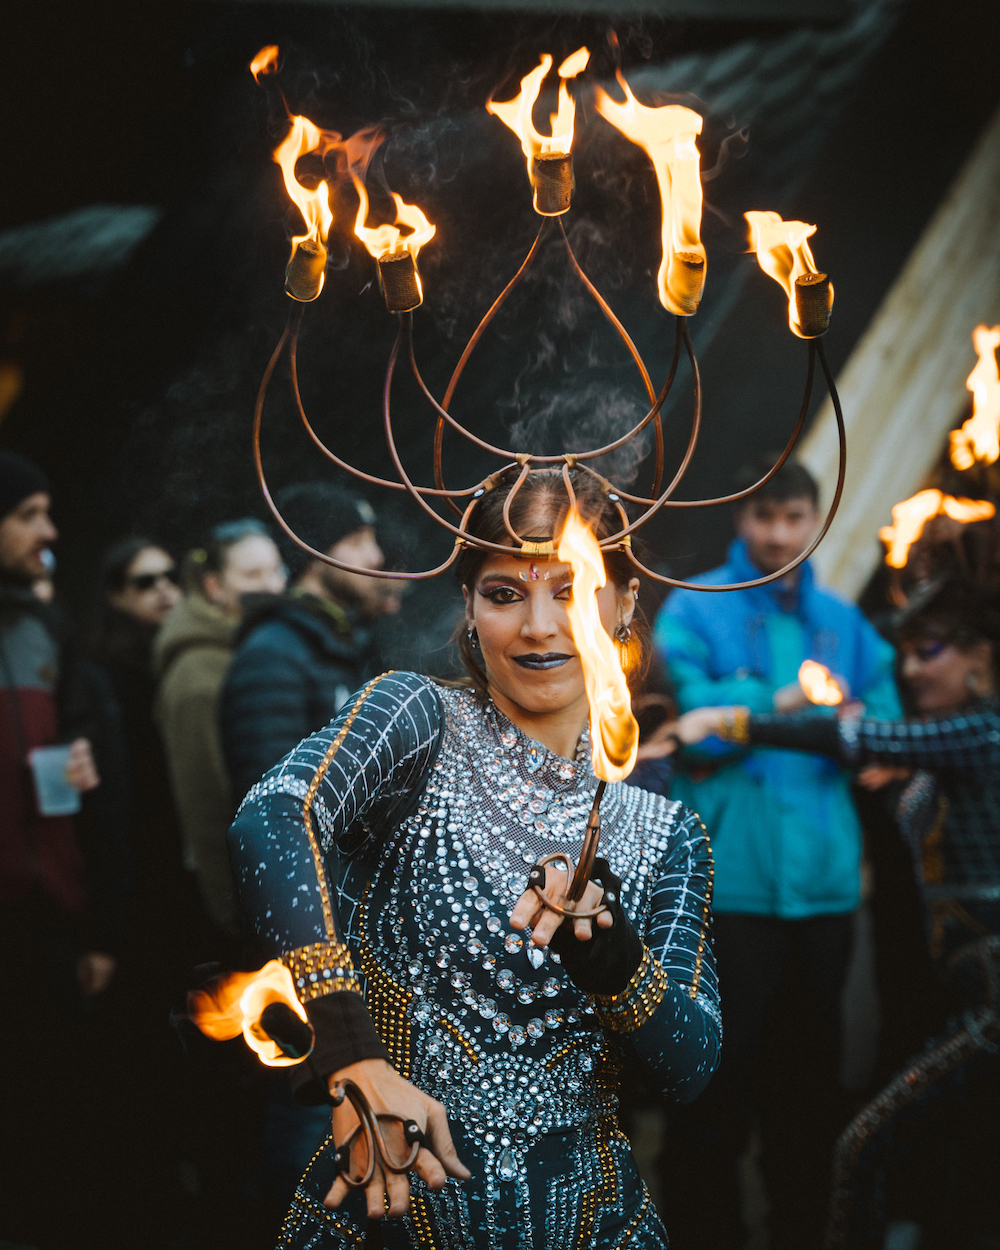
(623, 633)
(473, 637)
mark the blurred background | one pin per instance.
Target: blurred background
(144, 228)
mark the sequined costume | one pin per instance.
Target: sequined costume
(427, 817)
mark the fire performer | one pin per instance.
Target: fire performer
(950, 815)
(385, 861)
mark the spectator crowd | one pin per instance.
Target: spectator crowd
(125, 751)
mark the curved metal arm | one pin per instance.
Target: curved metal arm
(794, 564)
(385, 574)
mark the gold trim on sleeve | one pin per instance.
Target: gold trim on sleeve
(318, 775)
(321, 968)
(629, 1010)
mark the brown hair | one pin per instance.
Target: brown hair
(537, 512)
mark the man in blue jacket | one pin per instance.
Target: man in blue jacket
(787, 845)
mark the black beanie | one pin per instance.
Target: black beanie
(321, 515)
(19, 478)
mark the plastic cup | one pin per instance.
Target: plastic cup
(56, 797)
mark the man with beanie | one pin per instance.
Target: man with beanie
(300, 656)
(61, 858)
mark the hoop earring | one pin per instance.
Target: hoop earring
(623, 634)
(473, 636)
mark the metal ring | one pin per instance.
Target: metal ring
(368, 1123)
(561, 857)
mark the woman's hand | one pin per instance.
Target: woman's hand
(661, 742)
(389, 1094)
(697, 725)
(528, 910)
(94, 972)
(875, 776)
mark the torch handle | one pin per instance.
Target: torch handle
(588, 852)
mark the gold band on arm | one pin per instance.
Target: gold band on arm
(629, 1010)
(321, 968)
(736, 726)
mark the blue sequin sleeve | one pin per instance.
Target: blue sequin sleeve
(393, 729)
(681, 1042)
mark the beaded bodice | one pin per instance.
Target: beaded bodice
(470, 1011)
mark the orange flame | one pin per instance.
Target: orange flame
(234, 1005)
(817, 684)
(516, 113)
(910, 517)
(265, 62)
(313, 205)
(388, 240)
(979, 437)
(783, 254)
(667, 136)
(614, 732)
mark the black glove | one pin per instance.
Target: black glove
(605, 963)
(345, 1034)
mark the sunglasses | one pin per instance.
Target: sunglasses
(146, 581)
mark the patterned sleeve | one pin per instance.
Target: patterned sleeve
(670, 1010)
(366, 762)
(359, 773)
(967, 740)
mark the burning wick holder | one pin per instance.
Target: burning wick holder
(813, 304)
(295, 1039)
(687, 280)
(581, 874)
(552, 179)
(306, 270)
(400, 284)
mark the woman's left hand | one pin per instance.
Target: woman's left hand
(529, 910)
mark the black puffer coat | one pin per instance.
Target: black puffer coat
(297, 661)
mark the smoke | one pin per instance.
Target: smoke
(585, 417)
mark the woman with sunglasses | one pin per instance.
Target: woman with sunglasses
(949, 813)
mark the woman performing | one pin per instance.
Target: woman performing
(950, 815)
(433, 977)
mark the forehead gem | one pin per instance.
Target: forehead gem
(523, 576)
(534, 573)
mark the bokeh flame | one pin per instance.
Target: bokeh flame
(817, 684)
(389, 239)
(910, 517)
(979, 437)
(234, 1003)
(614, 732)
(516, 113)
(265, 62)
(783, 254)
(667, 136)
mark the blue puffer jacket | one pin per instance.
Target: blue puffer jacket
(297, 660)
(784, 830)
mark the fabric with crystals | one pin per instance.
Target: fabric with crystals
(430, 816)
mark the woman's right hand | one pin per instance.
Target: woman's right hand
(700, 723)
(389, 1094)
